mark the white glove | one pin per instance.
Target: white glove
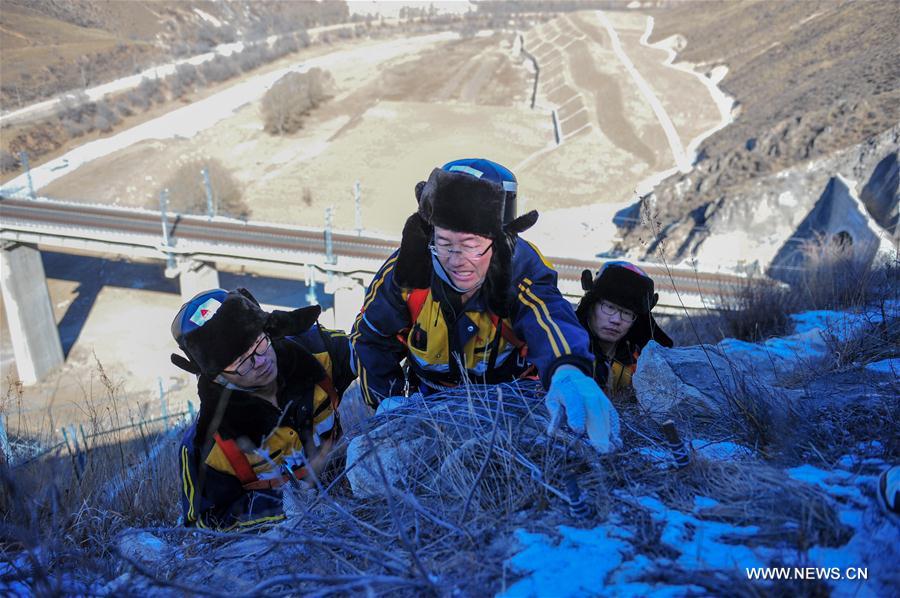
(392, 403)
(576, 398)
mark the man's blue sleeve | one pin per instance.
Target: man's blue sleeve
(377, 350)
(543, 318)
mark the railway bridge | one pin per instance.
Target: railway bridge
(195, 248)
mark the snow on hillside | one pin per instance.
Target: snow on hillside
(470, 477)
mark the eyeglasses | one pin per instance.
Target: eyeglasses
(611, 310)
(247, 364)
(445, 251)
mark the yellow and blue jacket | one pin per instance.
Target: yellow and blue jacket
(237, 453)
(385, 334)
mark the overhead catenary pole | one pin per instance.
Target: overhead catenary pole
(163, 210)
(311, 298)
(23, 156)
(330, 258)
(210, 204)
(357, 201)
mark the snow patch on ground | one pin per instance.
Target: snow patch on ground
(885, 366)
(586, 561)
(575, 565)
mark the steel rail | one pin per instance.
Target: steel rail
(74, 219)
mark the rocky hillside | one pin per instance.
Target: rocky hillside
(810, 79)
(52, 46)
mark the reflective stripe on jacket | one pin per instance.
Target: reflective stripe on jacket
(539, 315)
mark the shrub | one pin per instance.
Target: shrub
(835, 276)
(72, 107)
(123, 108)
(252, 57)
(757, 309)
(292, 97)
(8, 162)
(70, 503)
(832, 277)
(73, 128)
(186, 74)
(187, 190)
(105, 117)
(285, 45)
(151, 90)
(219, 69)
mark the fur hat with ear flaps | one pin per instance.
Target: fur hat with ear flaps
(462, 203)
(627, 286)
(216, 327)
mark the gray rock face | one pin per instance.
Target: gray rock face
(704, 379)
(854, 190)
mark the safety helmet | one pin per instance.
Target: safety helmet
(481, 168)
(196, 312)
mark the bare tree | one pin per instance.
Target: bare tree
(8, 161)
(187, 192)
(292, 97)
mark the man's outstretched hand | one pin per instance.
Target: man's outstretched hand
(575, 399)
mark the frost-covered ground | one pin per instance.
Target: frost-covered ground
(604, 560)
(607, 559)
(478, 506)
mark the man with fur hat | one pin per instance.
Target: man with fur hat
(465, 298)
(615, 310)
(269, 386)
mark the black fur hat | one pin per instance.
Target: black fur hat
(461, 202)
(627, 286)
(621, 283)
(216, 327)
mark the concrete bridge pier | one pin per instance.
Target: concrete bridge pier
(29, 313)
(348, 299)
(196, 276)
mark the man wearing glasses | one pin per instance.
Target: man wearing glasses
(269, 387)
(615, 310)
(465, 298)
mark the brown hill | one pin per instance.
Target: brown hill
(810, 78)
(54, 46)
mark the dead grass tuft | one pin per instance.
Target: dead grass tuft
(758, 309)
(833, 279)
(64, 509)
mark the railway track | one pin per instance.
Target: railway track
(144, 228)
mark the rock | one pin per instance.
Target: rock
(703, 380)
(399, 455)
(142, 546)
(754, 222)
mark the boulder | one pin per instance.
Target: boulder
(142, 546)
(399, 454)
(704, 380)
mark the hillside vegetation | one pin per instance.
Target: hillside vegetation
(54, 46)
(809, 78)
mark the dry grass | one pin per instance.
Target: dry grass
(63, 510)
(476, 465)
(484, 469)
(832, 279)
(758, 310)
